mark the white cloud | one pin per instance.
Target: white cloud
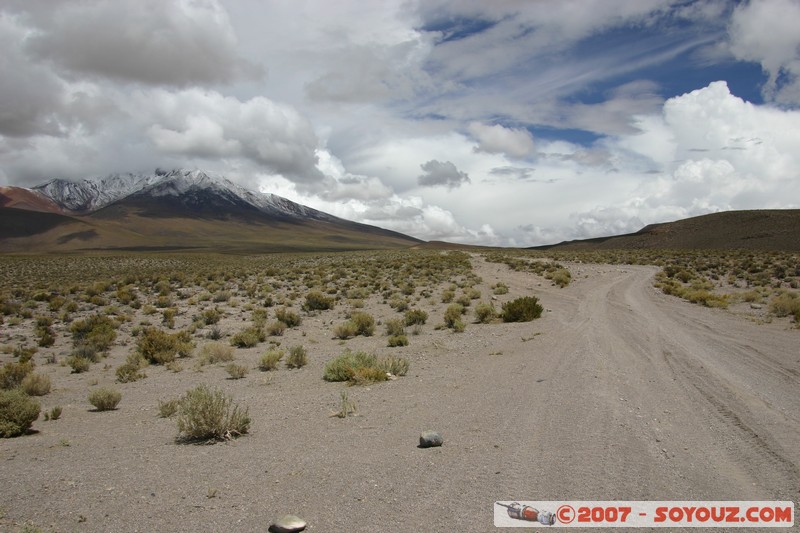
(206, 124)
(497, 139)
(156, 42)
(766, 32)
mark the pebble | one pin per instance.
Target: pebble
(429, 439)
(288, 524)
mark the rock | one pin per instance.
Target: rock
(288, 524)
(755, 306)
(429, 439)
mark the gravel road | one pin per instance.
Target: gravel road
(617, 393)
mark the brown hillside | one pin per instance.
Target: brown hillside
(773, 229)
(23, 231)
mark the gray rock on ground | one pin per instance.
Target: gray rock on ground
(288, 524)
(429, 439)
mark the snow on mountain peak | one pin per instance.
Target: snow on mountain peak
(89, 195)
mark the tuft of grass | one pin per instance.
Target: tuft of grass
(54, 413)
(347, 406)
(395, 327)
(397, 340)
(298, 357)
(360, 368)
(18, 411)
(236, 371)
(452, 317)
(522, 309)
(397, 366)
(206, 414)
(168, 408)
(105, 399)
(363, 322)
(131, 369)
(269, 361)
(288, 317)
(345, 330)
(97, 331)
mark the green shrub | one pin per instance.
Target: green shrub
(105, 399)
(364, 323)
(397, 340)
(288, 317)
(18, 411)
(522, 309)
(248, 337)
(342, 367)
(236, 371)
(316, 301)
(97, 331)
(415, 316)
(298, 357)
(12, 374)
(36, 384)
(270, 360)
(208, 414)
(159, 347)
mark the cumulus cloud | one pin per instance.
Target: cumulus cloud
(766, 32)
(208, 125)
(497, 139)
(441, 173)
(156, 42)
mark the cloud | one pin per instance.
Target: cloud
(441, 173)
(32, 96)
(155, 42)
(497, 139)
(208, 125)
(766, 32)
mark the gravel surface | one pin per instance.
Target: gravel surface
(617, 393)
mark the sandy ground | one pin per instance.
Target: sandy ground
(617, 393)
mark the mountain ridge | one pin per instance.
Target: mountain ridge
(177, 209)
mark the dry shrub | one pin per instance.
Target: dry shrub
(105, 399)
(298, 357)
(216, 352)
(36, 384)
(208, 414)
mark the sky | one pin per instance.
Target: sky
(503, 123)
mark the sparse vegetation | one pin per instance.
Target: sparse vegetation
(105, 399)
(270, 360)
(298, 357)
(18, 411)
(206, 414)
(522, 309)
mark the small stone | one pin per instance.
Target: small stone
(429, 439)
(288, 524)
(755, 306)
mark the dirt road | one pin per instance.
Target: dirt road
(618, 393)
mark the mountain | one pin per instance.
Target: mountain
(768, 229)
(171, 210)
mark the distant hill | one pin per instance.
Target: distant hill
(770, 229)
(173, 210)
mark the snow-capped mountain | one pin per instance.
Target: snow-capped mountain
(192, 188)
